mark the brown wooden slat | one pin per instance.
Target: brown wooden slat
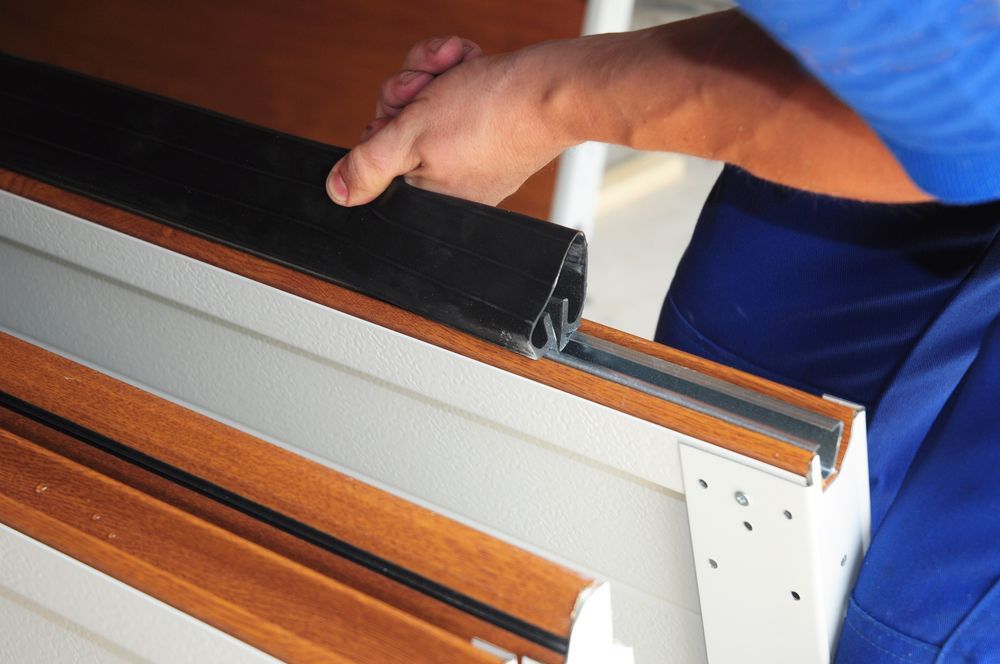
(309, 68)
(275, 604)
(509, 579)
(283, 544)
(749, 443)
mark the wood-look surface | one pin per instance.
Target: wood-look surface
(283, 544)
(309, 68)
(271, 602)
(482, 567)
(729, 436)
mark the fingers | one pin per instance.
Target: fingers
(470, 50)
(438, 55)
(367, 170)
(385, 150)
(373, 127)
(425, 60)
(399, 90)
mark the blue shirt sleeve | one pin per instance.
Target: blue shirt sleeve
(924, 74)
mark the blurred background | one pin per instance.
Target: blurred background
(312, 68)
(646, 211)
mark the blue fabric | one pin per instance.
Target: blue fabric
(894, 307)
(936, 556)
(924, 74)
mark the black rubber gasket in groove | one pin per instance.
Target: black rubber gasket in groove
(494, 274)
(291, 526)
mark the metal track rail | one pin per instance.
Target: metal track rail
(705, 394)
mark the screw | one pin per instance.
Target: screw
(741, 498)
(713, 564)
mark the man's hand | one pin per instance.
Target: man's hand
(455, 122)
(425, 60)
(458, 122)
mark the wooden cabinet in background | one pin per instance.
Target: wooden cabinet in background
(306, 68)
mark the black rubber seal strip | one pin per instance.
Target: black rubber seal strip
(494, 274)
(293, 527)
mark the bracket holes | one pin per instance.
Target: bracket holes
(703, 484)
(788, 515)
(713, 564)
(747, 525)
(843, 560)
(796, 596)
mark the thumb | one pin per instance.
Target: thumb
(367, 170)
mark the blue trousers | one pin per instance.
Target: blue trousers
(895, 307)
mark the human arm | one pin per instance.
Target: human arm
(715, 86)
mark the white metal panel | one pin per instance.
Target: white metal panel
(659, 631)
(531, 493)
(56, 609)
(845, 515)
(591, 640)
(626, 444)
(574, 481)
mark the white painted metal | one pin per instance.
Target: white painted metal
(579, 483)
(585, 485)
(591, 640)
(56, 609)
(581, 168)
(772, 555)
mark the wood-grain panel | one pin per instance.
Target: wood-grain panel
(309, 68)
(375, 585)
(482, 567)
(273, 603)
(749, 443)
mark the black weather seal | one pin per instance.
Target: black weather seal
(509, 279)
(303, 531)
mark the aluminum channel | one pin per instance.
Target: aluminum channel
(704, 394)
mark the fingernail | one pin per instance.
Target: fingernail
(408, 76)
(466, 49)
(436, 44)
(337, 188)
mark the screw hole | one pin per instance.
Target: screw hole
(843, 560)
(713, 564)
(796, 596)
(703, 483)
(746, 524)
(788, 515)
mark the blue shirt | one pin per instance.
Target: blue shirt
(924, 74)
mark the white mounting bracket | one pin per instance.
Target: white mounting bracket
(775, 554)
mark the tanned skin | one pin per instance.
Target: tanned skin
(455, 121)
